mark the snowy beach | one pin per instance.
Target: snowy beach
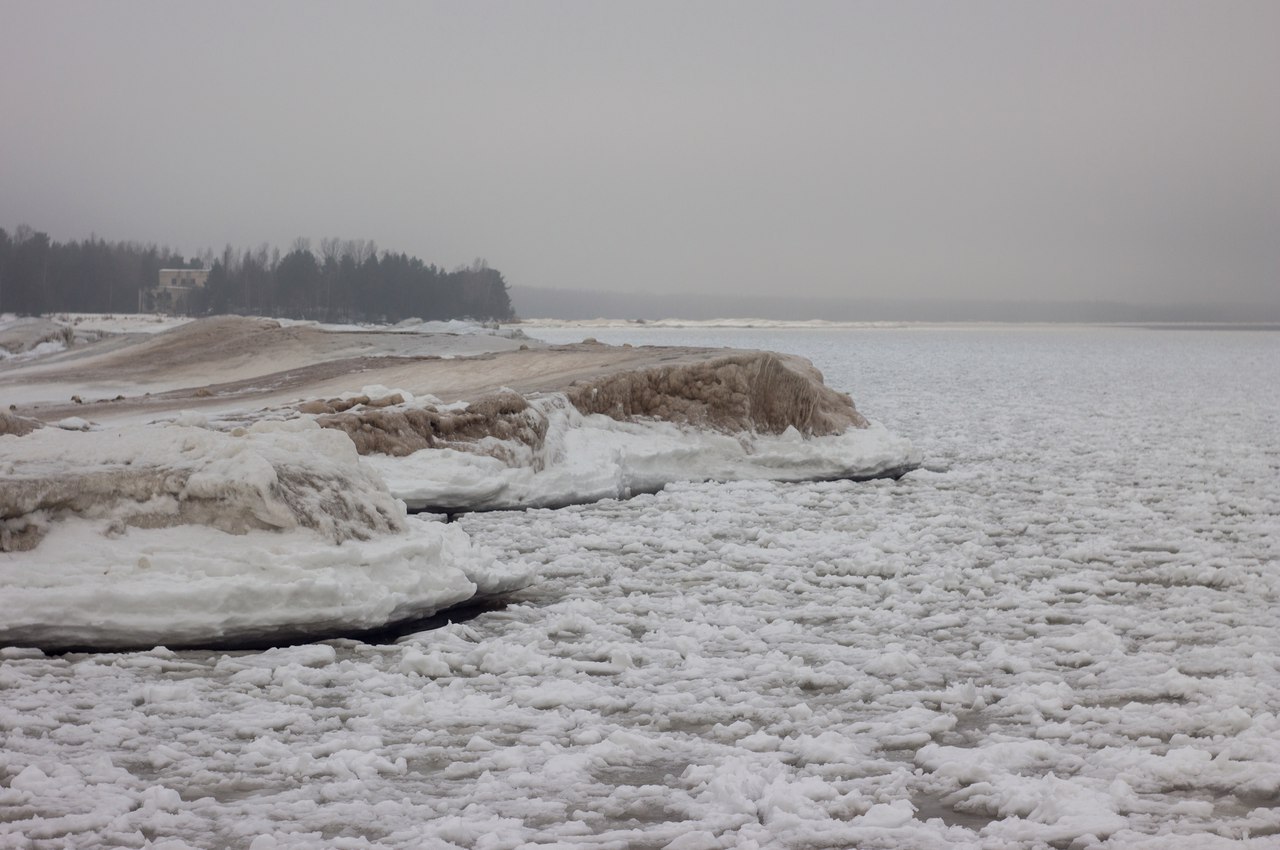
(1060, 632)
(133, 521)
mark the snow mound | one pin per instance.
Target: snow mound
(588, 457)
(503, 425)
(745, 415)
(28, 337)
(181, 535)
(11, 423)
(743, 391)
(272, 475)
(202, 343)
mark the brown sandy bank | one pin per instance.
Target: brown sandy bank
(229, 363)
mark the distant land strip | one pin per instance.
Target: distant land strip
(537, 303)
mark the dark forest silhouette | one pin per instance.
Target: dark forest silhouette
(348, 281)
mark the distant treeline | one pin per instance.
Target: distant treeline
(348, 281)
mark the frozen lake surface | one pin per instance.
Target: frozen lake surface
(1063, 632)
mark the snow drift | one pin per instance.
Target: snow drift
(588, 457)
(273, 475)
(180, 534)
(11, 423)
(288, 518)
(31, 334)
(743, 415)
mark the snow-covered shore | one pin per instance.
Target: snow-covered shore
(136, 521)
(178, 534)
(586, 458)
(1060, 634)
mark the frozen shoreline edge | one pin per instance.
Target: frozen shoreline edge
(192, 531)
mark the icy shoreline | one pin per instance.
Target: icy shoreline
(182, 535)
(1061, 633)
(594, 457)
(291, 520)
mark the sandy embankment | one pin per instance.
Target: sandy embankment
(499, 397)
(229, 363)
(519, 402)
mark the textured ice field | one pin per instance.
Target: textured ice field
(1063, 633)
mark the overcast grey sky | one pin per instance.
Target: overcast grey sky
(1119, 150)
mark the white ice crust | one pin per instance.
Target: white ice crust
(586, 458)
(272, 530)
(195, 584)
(201, 535)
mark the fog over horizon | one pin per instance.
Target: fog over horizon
(985, 153)
(577, 305)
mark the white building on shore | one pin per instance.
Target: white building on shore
(173, 292)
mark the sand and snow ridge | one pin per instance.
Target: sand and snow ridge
(281, 495)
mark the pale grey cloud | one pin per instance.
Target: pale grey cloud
(985, 150)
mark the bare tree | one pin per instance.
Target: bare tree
(331, 250)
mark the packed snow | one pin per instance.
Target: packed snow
(1062, 632)
(586, 458)
(261, 525)
(126, 368)
(28, 338)
(176, 533)
(153, 323)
